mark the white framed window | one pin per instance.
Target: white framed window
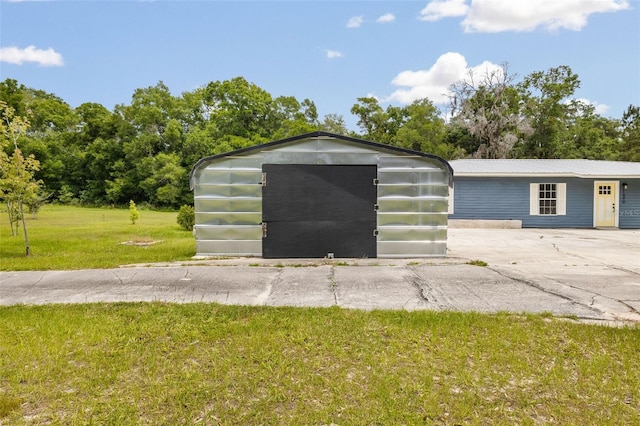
(548, 199)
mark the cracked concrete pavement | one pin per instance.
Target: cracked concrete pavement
(592, 274)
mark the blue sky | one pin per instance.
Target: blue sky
(331, 52)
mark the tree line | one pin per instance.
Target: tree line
(144, 151)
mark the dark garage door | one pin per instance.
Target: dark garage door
(314, 210)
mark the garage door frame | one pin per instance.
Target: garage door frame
(315, 211)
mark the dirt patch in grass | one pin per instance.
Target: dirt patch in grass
(141, 243)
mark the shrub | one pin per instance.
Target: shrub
(66, 195)
(187, 217)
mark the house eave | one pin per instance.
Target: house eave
(548, 175)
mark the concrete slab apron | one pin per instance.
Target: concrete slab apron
(436, 287)
(599, 269)
(231, 285)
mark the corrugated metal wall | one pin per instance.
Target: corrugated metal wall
(228, 206)
(412, 197)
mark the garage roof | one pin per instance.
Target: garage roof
(567, 168)
(319, 135)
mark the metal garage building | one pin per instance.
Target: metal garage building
(321, 195)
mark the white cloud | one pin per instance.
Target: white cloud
(333, 54)
(434, 83)
(355, 22)
(439, 9)
(600, 109)
(387, 17)
(45, 58)
(493, 16)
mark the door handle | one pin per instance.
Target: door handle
(614, 207)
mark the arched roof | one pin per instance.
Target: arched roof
(318, 134)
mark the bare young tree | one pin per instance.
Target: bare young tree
(488, 106)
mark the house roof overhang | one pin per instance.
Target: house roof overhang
(569, 168)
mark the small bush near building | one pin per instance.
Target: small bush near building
(187, 217)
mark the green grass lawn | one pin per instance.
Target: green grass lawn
(153, 363)
(63, 237)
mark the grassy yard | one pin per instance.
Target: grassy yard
(63, 237)
(153, 363)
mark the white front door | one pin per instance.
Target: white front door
(605, 198)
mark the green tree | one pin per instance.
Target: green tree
(91, 153)
(461, 140)
(134, 214)
(102, 162)
(334, 123)
(418, 126)
(378, 125)
(51, 122)
(163, 179)
(425, 131)
(240, 108)
(544, 104)
(294, 118)
(630, 150)
(12, 94)
(589, 135)
(151, 109)
(17, 183)
(48, 113)
(199, 143)
(233, 114)
(151, 125)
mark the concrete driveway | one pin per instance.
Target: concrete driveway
(591, 274)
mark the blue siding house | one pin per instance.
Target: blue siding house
(547, 193)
